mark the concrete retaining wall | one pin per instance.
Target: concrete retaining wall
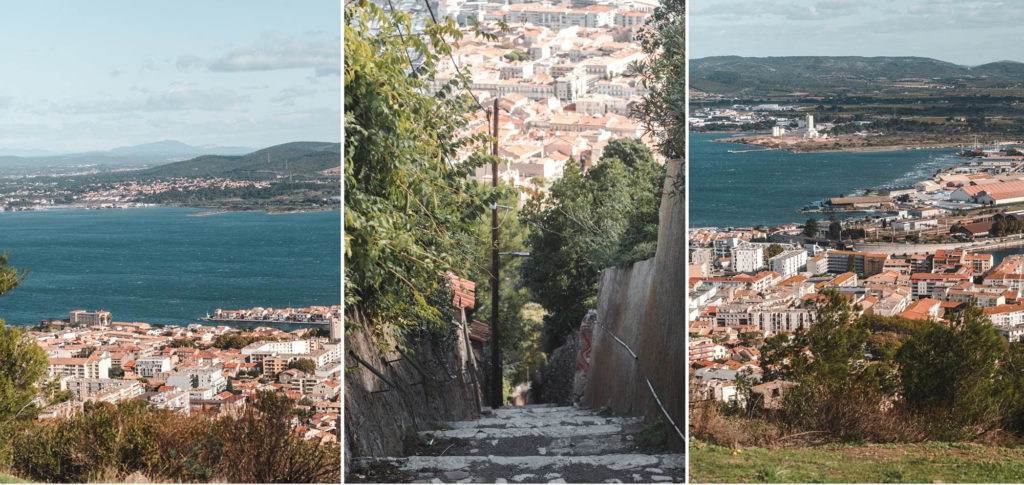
(378, 416)
(644, 306)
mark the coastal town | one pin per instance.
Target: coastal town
(919, 253)
(314, 315)
(194, 368)
(42, 194)
(562, 77)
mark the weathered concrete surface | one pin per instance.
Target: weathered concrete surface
(380, 418)
(644, 306)
(518, 445)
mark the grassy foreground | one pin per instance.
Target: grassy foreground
(868, 463)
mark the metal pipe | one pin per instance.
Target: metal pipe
(374, 371)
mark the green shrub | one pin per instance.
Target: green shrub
(107, 442)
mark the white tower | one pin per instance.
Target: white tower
(811, 132)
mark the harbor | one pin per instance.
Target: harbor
(314, 315)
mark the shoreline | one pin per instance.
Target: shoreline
(208, 212)
(266, 210)
(858, 149)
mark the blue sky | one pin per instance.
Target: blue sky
(960, 31)
(98, 74)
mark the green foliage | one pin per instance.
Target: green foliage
(182, 342)
(773, 250)
(932, 462)
(519, 334)
(107, 443)
(116, 372)
(663, 76)
(22, 363)
(22, 366)
(238, 341)
(10, 276)
(586, 223)
(408, 210)
(950, 369)
(889, 378)
(85, 352)
(259, 447)
(305, 365)
(301, 160)
(835, 230)
(653, 438)
(811, 227)
(517, 55)
(1004, 226)
(632, 152)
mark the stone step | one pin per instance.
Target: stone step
(539, 412)
(553, 431)
(543, 405)
(539, 409)
(533, 445)
(619, 468)
(539, 421)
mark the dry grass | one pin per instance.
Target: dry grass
(709, 423)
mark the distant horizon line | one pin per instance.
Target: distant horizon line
(42, 152)
(856, 55)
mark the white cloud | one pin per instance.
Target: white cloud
(274, 51)
(289, 94)
(175, 98)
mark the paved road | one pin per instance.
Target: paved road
(530, 444)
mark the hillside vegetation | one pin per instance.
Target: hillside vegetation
(298, 159)
(761, 76)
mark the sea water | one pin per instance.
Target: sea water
(162, 265)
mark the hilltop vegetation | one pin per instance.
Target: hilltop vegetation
(298, 159)
(823, 75)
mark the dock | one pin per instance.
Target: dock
(751, 150)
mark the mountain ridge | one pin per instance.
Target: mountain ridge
(832, 74)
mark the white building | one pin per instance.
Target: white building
(915, 225)
(150, 366)
(176, 400)
(198, 378)
(93, 367)
(103, 390)
(817, 264)
(82, 317)
(811, 132)
(747, 258)
(281, 347)
(789, 263)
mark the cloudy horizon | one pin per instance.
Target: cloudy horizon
(82, 76)
(964, 33)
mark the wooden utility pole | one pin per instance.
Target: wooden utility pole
(497, 382)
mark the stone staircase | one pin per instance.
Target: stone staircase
(537, 443)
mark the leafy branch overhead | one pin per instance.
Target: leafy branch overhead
(409, 209)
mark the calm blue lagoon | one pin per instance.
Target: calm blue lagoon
(161, 265)
(770, 187)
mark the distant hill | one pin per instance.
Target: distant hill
(299, 159)
(139, 155)
(177, 149)
(734, 75)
